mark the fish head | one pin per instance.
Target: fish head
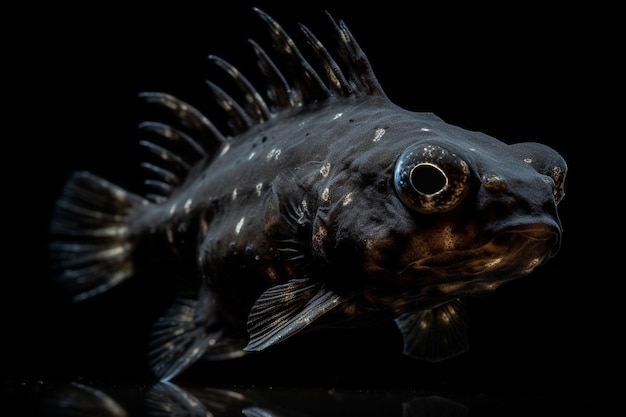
(445, 214)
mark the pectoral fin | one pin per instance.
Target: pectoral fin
(435, 334)
(284, 310)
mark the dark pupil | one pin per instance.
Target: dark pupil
(427, 179)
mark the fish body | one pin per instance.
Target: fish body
(324, 205)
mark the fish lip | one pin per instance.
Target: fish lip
(510, 249)
(538, 232)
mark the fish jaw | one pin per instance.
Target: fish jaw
(509, 255)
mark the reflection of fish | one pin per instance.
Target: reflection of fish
(323, 205)
(73, 399)
(165, 399)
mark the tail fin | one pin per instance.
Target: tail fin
(91, 244)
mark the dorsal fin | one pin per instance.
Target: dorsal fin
(239, 121)
(254, 102)
(304, 84)
(360, 73)
(290, 82)
(278, 90)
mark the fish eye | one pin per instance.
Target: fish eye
(427, 178)
(430, 179)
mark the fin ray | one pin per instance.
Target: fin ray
(175, 161)
(239, 120)
(91, 246)
(174, 136)
(255, 104)
(189, 117)
(284, 310)
(306, 82)
(436, 334)
(334, 75)
(182, 335)
(361, 74)
(278, 90)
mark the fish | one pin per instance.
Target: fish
(311, 201)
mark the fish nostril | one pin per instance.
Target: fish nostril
(494, 183)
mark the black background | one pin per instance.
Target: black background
(519, 73)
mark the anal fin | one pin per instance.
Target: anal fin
(435, 334)
(182, 335)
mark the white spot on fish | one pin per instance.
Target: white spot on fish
(425, 129)
(378, 134)
(187, 206)
(259, 187)
(239, 225)
(347, 199)
(305, 206)
(337, 116)
(234, 196)
(251, 156)
(493, 263)
(225, 149)
(528, 160)
(532, 264)
(325, 169)
(445, 318)
(325, 194)
(489, 286)
(204, 225)
(274, 153)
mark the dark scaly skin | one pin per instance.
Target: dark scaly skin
(355, 234)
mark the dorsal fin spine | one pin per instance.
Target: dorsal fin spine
(306, 81)
(278, 90)
(174, 136)
(361, 72)
(239, 119)
(189, 117)
(170, 158)
(256, 106)
(161, 173)
(163, 188)
(335, 77)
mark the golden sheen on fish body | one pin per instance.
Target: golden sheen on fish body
(323, 205)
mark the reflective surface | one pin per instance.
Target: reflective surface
(88, 398)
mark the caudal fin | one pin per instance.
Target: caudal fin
(91, 244)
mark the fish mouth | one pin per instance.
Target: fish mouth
(510, 254)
